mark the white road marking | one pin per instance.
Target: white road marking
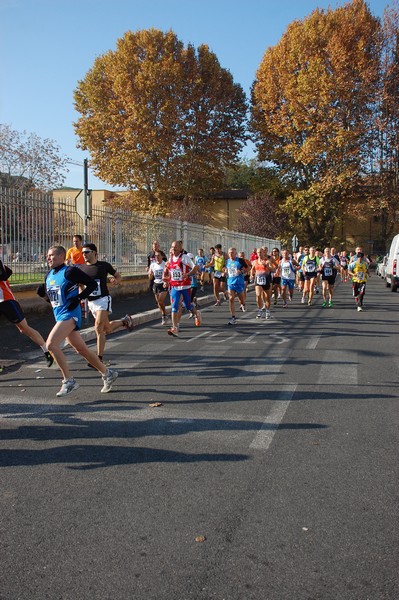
(313, 341)
(265, 435)
(197, 336)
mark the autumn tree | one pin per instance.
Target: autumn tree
(381, 184)
(160, 118)
(312, 110)
(28, 161)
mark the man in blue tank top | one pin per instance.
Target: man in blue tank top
(62, 291)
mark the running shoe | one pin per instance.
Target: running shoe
(232, 321)
(242, 308)
(127, 322)
(163, 320)
(217, 303)
(68, 386)
(330, 303)
(285, 305)
(48, 358)
(259, 315)
(198, 319)
(309, 303)
(324, 304)
(108, 379)
(190, 316)
(317, 290)
(302, 300)
(173, 331)
(289, 297)
(359, 308)
(267, 314)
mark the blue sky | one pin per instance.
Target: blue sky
(47, 46)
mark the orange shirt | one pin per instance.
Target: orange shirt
(75, 255)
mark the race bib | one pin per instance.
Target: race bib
(177, 275)
(361, 276)
(97, 291)
(158, 273)
(232, 271)
(218, 274)
(54, 295)
(261, 280)
(286, 272)
(310, 268)
(328, 271)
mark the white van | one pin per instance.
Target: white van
(392, 272)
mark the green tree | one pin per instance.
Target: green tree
(28, 161)
(255, 176)
(160, 118)
(312, 112)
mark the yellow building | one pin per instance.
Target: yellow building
(224, 210)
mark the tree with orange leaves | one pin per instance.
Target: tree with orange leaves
(312, 111)
(160, 118)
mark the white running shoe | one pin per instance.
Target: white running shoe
(68, 386)
(232, 321)
(302, 300)
(127, 322)
(242, 308)
(267, 314)
(359, 308)
(108, 379)
(259, 315)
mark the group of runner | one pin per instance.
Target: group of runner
(78, 275)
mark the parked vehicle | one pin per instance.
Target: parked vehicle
(382, 266)
(392, 270)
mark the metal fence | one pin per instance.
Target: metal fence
(32, 222)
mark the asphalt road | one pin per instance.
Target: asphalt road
(276, 441)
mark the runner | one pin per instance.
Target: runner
(301, 255)
(329, 267)
(310, 266)
(289, 267)
(177, 273)
(344, 261)
(262, 269)
(276, 277)
(99, 301)
(62, 289)
(194, 290)
(218, 262)
(235, 270)
(359, 270)
(200, 261)
(151, 258)
(12, 311)
(155, 273)
(246, 276)
(74, 255)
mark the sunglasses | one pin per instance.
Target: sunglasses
(87, 251)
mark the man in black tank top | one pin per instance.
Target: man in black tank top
(100, 302)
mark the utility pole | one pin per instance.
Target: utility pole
(86, 194)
